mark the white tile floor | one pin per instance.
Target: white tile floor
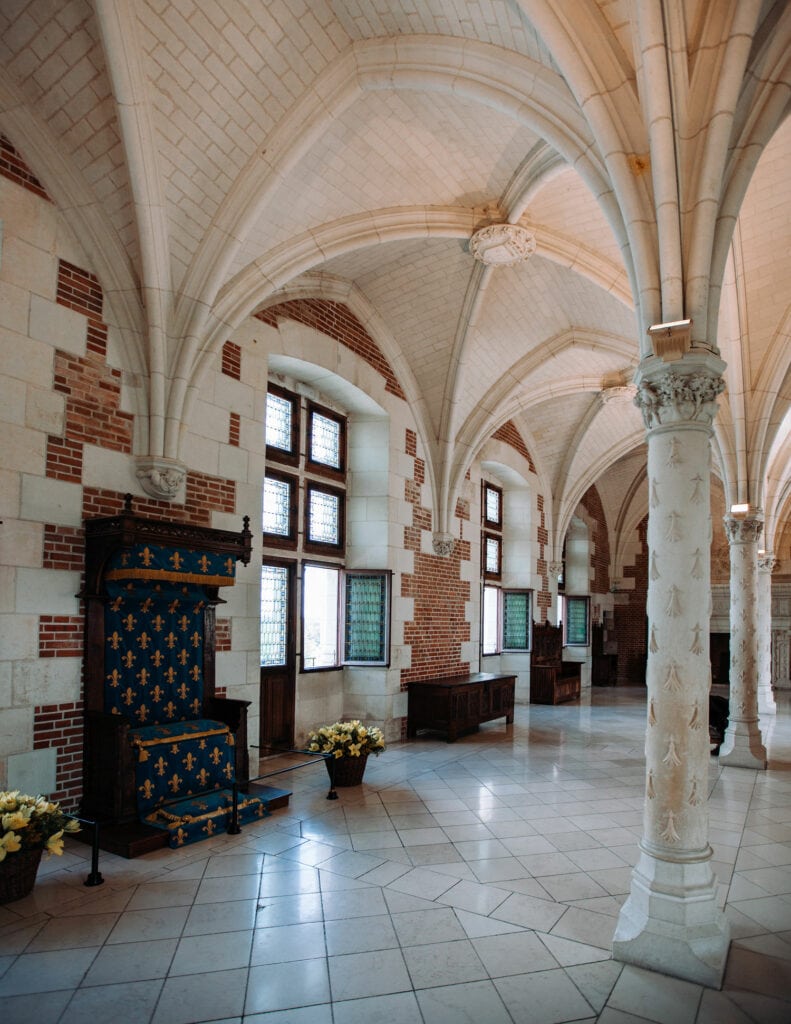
(477, 881)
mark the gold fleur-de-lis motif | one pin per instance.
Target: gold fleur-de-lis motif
(674, 456)
(671, 757)
(673, 605)
(229, 563)
(195, 705)
(157, 694)
(157, 623)
(202, 743)
(215, 756)
(147, 789)
(117, 603)
(142, 714)
(170, 675)
(695, 722)
(182, 692)
(174, 748)
(176, 560)
(653, 647)
(129, 622)
(170, 710)
(174, 782)
(128, 659)
(183, 657)
(115, 678)
(649, 786)
(669, 833)
(654, 568)
(228, 770)
(114, 640)
(696, 496)
(147, 557)
(209, 828)
(195, 639)
(195, 672)
(157, 657)
(143, 641)
(673, 531)
(146, 605)
(128, 696)
(142, 675)
(160, 766)
(697, 644)
(184, 623)
(672, 681)
(180, 836)
(203, 777)
(171, 640)
(204, 563)
(189, 762)
(174, 605)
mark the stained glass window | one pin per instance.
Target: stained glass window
(516, 620)
(326, 440)
(324, 517)
(277, 506)
(576, 626)
(279, 421)
(274, 614)
(366, 613)
(492, 505)
(492, 547)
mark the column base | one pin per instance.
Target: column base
(743, 746)
(671, 923)
(766, 702)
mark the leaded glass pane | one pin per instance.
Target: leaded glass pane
(492, 555)
(325, 440)
(277, 506)
(274, 614)
(279, 419)
(492, 505)
(366, 618)
(324, 518)
(516, 620)
(319, 617)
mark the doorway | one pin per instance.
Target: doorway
(278, 656)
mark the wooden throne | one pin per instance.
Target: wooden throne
(552, 680)
(161, 750)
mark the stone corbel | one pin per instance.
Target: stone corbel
(161, 478)
(443, 544)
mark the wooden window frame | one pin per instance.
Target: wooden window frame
(320, 468)
(322, 547)
(491, 524)
(291, 457)
(277, 540)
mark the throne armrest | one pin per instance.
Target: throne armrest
(233, 713)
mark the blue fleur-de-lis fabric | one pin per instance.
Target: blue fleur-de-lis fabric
(153, 658)
(174, 565)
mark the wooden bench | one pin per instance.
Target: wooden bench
(552, 680)
(459, 704)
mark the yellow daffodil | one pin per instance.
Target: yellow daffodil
(55, 843)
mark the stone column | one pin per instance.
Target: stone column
(743, 746)
(767, 564)
(670, 921)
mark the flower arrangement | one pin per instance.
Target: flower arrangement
(347, 739)
(31, 823)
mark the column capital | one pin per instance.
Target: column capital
(682, 393)
(768, 563)
(744, 529)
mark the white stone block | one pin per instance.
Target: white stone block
(58, 326)
(16, 731)
(23, 449)
(47, 681)
(12, 401)
(6, 689)
(28, 216)
(21, 543)
(233, 462)
(109, 470)
(45, 410)
(47, 591)
(27, 266)
(33, 772)
(10, 494)
(14, 308)
(51, 501)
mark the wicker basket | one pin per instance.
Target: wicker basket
(18, 874)
(346, 771)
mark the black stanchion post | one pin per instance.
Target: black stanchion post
(95, 877)
(234, 828)
(332, 795)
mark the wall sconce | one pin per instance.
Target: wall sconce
(671, 340)
(738, 509)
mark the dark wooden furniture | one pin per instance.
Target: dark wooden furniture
(109, 758)
(460, 704)
(552, 680)
(604, 660)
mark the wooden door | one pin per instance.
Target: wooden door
(278, 656)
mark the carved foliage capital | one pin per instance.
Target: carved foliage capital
(768, 563)
(679, 398)
(160, 478)
(743, 530)
(443, 544)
